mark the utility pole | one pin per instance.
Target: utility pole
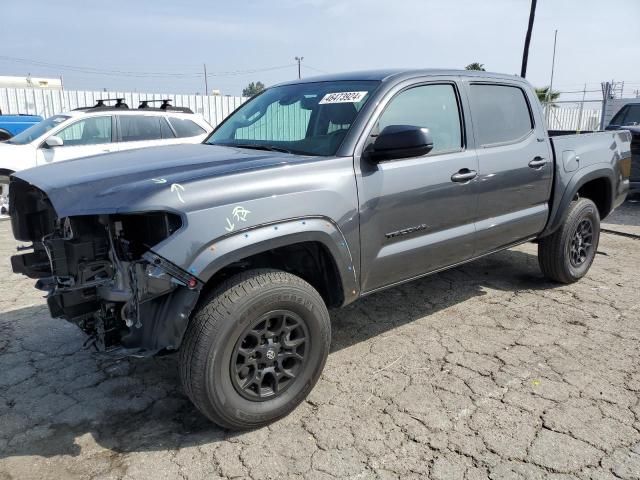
(584, 94)
(62, 96)
(527, 40)
(206, 84)
(299, 60)
(553, 64)
(606, 96)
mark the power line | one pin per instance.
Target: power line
(138, 74)
(306, 65)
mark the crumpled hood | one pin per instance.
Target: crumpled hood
(116, 182)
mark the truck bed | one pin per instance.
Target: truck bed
(591, 153)
(575, 151)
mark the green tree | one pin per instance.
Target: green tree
(475, 66)
(545, 97)
(252, 89)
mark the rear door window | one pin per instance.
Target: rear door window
(136, 128)
(185, 127)
(500, 113)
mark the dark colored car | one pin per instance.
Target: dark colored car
(311, 195)
(628, 118)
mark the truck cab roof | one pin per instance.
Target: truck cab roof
(399, 74)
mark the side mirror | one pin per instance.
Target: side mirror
(53, 141)
(400, 141)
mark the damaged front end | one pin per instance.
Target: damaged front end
(99, 272)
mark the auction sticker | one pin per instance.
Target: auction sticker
(343, 97)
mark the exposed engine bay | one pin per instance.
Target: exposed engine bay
(100, 273)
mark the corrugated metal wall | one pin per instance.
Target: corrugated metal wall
(280, 122)
(50, 102)
(573, 118)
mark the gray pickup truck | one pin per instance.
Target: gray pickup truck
(309, 196)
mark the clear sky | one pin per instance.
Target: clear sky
(162, 44)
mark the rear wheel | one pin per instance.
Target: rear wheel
(567, 254)
(255, 348)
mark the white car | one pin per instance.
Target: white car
(95, 130)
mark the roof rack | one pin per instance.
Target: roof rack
(144, 104)
(100, 104)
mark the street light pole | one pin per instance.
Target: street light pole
(527, 40)
(299, 60)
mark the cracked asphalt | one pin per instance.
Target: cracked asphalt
(484, 371)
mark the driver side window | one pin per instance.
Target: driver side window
(432, 106)
(90, 131)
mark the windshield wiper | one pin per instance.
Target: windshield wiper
(268, 148)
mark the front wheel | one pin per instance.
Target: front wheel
(567, 254)
(255, 348)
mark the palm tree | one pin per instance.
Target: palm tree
(475, 66)
(547, 97)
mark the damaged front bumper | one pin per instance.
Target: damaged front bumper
(100, 272)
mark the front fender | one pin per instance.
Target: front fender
(261, 238)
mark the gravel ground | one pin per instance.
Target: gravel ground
(482, 371)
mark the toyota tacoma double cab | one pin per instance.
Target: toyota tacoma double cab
(312, 194)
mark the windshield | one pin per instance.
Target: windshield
(305, 118)
(37, 130)
(628, 116)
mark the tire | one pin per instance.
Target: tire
(222, 350)
(567, 254)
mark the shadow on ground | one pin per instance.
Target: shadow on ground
(137, 405)
(628, 213)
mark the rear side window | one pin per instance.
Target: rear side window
(186, 128)
(432, 106)
(500, 113)
(135, 128)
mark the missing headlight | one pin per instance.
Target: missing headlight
(134, 234)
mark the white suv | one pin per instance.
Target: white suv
(95, 130)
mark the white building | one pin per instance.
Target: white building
(31, 82)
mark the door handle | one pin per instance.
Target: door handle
(464, 175)
(538, 162)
